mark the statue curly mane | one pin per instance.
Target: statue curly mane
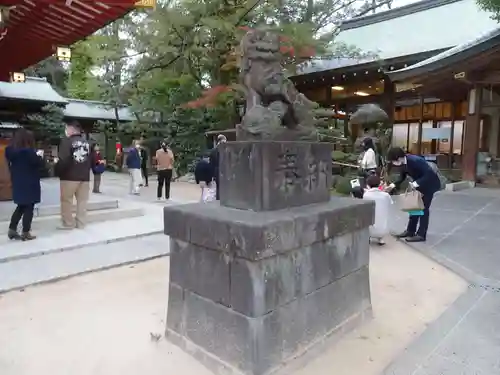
(274, 107)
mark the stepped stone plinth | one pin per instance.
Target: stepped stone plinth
(276, 270)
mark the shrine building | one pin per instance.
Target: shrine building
(32, 30)
(437, 82)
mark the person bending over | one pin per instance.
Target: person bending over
(425, 180)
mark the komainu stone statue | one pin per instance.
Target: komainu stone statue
(275, 110)
(278, 267)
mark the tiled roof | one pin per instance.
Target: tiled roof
(87, 109)
(36, 89)
(453, 55)
(423, 26)
(320, 65)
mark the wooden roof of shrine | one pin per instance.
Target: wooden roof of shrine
(96, 110)
(472, 55)
(36, 89)
(416, 31)
(35, 28)
(33, 89)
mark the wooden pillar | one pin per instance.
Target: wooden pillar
(420, 124)
(337, 122)
(471, 133)
(328, 96)
(451, 156)
(389, 99)
(348, 133)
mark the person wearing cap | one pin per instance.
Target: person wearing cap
(214, 162)
(73, 169)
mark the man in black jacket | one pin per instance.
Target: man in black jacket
(73, 169)
(425, 180)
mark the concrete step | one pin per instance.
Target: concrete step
(49, 210)
(21, 273)
(93, 235)
(49, 223)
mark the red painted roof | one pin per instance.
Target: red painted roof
(37, 27)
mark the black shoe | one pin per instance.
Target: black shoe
(405, 234)
(13, 235)
(27, 236)
(415, 239)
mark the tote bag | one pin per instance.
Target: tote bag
(208, 194)
(411, 200)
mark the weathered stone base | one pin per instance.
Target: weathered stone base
(250, 291)
(262, 176)
(228, 342)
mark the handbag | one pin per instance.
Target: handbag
(208, 194)
(98, 168)
(411, 200)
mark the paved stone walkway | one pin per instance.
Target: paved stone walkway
(121, 239)
(464, 235)
(117, 185)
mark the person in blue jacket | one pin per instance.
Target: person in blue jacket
(25, 164)
(134, 168)
(425, 180)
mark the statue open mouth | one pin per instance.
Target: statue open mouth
(275, 110)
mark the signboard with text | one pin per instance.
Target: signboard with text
(429, 134)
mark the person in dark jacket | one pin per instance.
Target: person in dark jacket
(98, 168)
(134, 168)
(25, 164)
(143, 153)
(214, 162)
(425, 180)
(203, 173)
(73, 169)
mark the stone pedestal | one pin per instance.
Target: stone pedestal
(258, 284)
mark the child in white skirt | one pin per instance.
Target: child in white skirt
(383, 202)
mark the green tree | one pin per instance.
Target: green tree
(492, 6)
(82, 83)
(180, 61)
(52, 70)
(198, 40)
(48, 124)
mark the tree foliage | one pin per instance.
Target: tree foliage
(492, 6)
(52, 70)
(49, 124)
(177, 66)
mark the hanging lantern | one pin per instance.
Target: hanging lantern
(151, 4)
(63, 54)
(18, 77)
(4, 16)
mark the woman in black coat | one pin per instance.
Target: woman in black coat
(25, 164)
